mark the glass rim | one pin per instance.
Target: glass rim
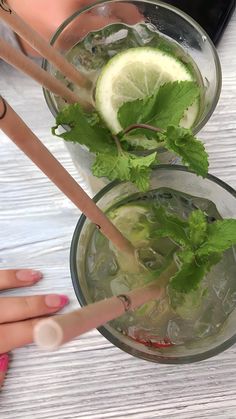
(196, 25)
(105, 332)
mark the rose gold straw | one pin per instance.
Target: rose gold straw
(41, 45)
(15, 128)
(51, 333)
(23, 63)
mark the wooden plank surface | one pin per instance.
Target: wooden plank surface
(89, 378)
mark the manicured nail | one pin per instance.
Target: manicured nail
(56, 301)
(28, 275)
(4, 360)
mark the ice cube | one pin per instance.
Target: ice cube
(229, 302)
(211, 319)
(203, 329)
(150, 259)
(173, 332)
(220, 287)
(144, 34)
(103, 266)
(163, 306)
(99, 294)
(119, 285)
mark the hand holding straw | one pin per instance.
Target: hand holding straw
(51, 333)
(15, 128)
(41, 45)
(20, 61)
(65, 327)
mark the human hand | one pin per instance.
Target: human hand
(4, 359)
(18, 315)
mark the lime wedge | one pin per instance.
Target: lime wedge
(132, 222)
(134, 74)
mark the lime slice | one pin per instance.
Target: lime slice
(132, 221)
(134, 74)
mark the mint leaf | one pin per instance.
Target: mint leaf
(125, 166)
(112, 167)
(140, 170)
(165, 107)
(86, 129)
(186, 146)
(139, 141)
(139, 162)
(186, 292)
(221, 235)
(188, 277)
(172, 101)
(186, 256)
(172, 227)
(197, 228)
(141, 178)
(212, 260)
(137, 111)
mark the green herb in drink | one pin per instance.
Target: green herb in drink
(116, 156)
(166, 229)
(201, 246)
(165, 107)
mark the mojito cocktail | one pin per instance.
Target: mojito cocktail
(178, 223)
(130, 52)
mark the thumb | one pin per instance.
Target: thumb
(4, 360)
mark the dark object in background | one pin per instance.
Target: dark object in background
(212, 15)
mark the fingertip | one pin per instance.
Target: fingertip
(29, 275)
(56, 301)
(4, 362)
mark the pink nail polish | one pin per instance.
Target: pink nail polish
(64, 300)
(4, 360)
(56, 301)
(28, 275)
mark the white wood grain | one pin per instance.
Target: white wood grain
(89, 378)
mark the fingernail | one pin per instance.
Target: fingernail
(56, 301)
(28, 275)
(4, 360)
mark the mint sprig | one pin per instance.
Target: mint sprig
(201, 246)
(116, 156)
(164, 110)
(111, 160)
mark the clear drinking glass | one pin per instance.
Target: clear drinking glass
(180, 179)
(179, 34)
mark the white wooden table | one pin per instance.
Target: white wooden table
(89, 378)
